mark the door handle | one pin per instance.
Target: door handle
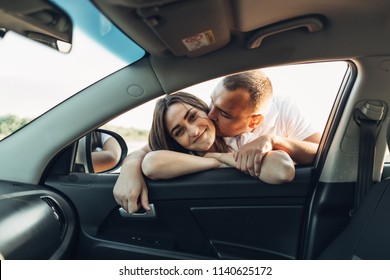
(148, 214)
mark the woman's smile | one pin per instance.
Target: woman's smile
(200, 137)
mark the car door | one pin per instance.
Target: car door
(217, 214)
(214, 214)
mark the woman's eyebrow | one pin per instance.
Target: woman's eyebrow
(185, 117)
(187, 113)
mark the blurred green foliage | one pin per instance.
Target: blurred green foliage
(10, 123)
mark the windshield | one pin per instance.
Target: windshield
(34, 78)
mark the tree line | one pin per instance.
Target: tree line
(10, 123)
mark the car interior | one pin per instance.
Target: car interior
(53, 206)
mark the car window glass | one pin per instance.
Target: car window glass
(387, 156)
(34, 78)
(312, 86)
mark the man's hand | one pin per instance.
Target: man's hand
(249, 157)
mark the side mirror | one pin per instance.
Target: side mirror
(100, 151)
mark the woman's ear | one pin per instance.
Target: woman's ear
(256, 121)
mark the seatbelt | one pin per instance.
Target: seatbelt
(368, 119)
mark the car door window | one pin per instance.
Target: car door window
(312, 86)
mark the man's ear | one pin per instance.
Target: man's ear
(256, 121)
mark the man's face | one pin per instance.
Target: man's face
(230, 111)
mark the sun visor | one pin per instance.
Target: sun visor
(191, 37)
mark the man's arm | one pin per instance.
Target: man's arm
(277, 167)
(250, 155)
(301, 151)
(130, 190)
(314, 138)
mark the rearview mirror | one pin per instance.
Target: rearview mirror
(38, 20)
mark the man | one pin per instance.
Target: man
(253, 122)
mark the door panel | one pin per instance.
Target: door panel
(258, 232)
(220, 213)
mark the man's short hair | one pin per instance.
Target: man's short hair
(255, 82)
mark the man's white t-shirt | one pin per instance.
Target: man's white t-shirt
(282, 117)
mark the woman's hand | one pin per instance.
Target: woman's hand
(130, 190)
(224, 159)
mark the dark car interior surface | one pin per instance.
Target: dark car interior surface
(59, 211)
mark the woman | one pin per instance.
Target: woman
(183, 140)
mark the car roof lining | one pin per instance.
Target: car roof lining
(145, 21)
(291, 47)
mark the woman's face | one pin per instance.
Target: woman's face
(190, 127)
